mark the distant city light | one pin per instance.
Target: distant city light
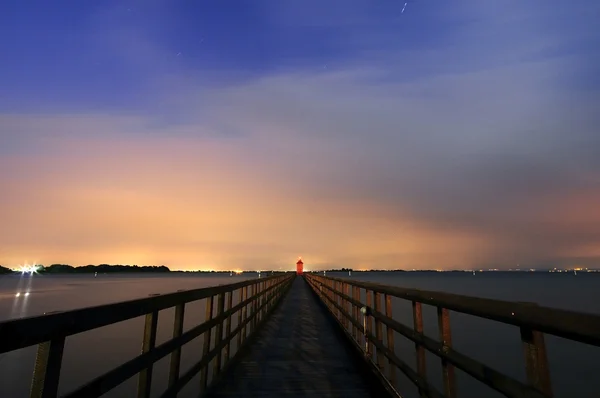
(29, 269)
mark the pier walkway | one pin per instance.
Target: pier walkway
(306, 335)
(299, 353)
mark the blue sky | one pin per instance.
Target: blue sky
(459, 132)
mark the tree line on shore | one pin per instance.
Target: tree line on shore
(102, 268)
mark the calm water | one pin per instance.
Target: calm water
(88, 355)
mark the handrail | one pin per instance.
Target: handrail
(26, 332)
(257, 298)
(343, 298)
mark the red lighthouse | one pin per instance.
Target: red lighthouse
(299, 267)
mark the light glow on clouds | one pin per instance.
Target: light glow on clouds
(480, 149)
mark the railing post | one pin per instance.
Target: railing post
(240, 320)
(46, 372)
(369, 323)
(261, 301)
(333, 298)
(273, 293)
(379, 331)
(390, 338)
(449, 379)
(420, 350)
(206, 345)
(219, 335)
(355, 312)
(328, 294)
(228, 327)
(176, 354)
(536, 361)
(145, 376)
(267, 301)
(347, 306)
(338, 299)
(253, 308)
(244, 313)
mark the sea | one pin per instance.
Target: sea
(573, 366)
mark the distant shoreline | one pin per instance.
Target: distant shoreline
(130, 269)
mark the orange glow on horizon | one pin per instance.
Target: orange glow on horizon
(188, 202)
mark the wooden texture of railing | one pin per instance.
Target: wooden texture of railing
(257, 299)
(343, 299)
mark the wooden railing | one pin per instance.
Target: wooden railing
(257, 298)
(343, 299)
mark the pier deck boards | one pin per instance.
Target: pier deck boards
(298, 353)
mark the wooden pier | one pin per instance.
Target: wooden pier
(300, 336)
(299, 353)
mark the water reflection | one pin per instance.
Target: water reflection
(21, 295)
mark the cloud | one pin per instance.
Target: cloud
(463, 152)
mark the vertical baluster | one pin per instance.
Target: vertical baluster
(390, 338)
(270, 296)
(338, 299)
(253, 309)
(145, 376)
(355, 312)
(46, 372)
(261, 301)
(420, 350)
(369, 299)
(347, 306)
(536, 361)
(219, 335)
(244, 314)
(257, 303)
(333, 299)
(327, 293)
(266, 300)
(446, 340)
(228, 327)
(206, 345)
(379, 331)
(176, 354)
(240, 320)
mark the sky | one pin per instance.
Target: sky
(242, 134)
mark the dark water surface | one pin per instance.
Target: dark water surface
(574, 366)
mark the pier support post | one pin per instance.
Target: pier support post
(420, 350)
(536, 360)
(176, 354)
(206, 345)
(46, 373)
(145, 376)
(449, 379)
